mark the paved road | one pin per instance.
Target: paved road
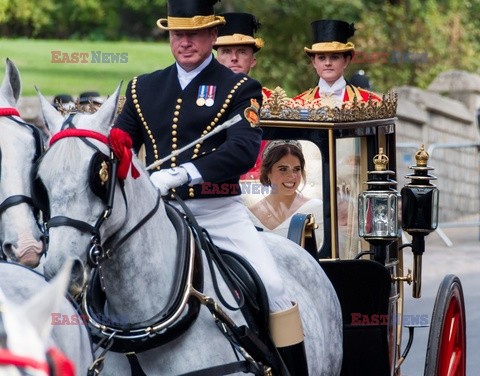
(463, 260)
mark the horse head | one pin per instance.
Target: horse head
(25, 330)
(76, 178)
(20, 145)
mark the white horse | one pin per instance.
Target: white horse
(139, 275)
(20, 238)
(25, 328)
(68, 332)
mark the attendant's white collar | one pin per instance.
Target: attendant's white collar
(338, 87)
(185, 77)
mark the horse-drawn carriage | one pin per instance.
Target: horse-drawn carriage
(362, 251)
(139, 267)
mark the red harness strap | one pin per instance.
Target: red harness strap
(8, 111)
(7, 358)
(120, 142)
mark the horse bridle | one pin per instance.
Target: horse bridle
(14, 200)
(95, 251)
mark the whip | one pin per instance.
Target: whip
(217, 129)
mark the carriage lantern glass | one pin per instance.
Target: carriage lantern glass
(378, 205)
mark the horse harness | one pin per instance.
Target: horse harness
(172, 321)
(14, 200)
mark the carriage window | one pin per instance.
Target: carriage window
(286, 187)
(349, 185)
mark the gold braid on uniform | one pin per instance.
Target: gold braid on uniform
(140, 115)
(212, 125)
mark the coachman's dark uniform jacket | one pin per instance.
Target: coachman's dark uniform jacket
(158, 113)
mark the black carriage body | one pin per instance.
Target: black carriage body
(368, 295)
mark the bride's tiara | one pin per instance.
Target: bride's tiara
(273, 144)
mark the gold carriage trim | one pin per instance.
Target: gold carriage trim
(280, 106)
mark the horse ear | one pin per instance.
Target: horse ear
(106, 113)
(39, 308)
(11, 85)
(51, 117)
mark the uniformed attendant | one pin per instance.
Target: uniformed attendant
(330, 54)
(236, 46)
(169, 108)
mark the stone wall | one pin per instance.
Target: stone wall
(444, 114)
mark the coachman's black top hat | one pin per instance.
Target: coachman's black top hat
(331, 36)
(239, 31)
(190, 15)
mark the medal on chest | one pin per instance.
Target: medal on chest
(210, 95)
(202, 95)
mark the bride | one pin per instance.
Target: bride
(283, 170)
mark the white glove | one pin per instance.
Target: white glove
(170, 178)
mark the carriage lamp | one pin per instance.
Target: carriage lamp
(419, 212)
(378, 208)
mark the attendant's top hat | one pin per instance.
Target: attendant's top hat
(331, 36)
(239, 31)
(94, 96)
(190, 15)
(63, 100)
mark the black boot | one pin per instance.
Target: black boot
(295, 359)
(287, 333)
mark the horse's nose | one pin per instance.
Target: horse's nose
(26, 252)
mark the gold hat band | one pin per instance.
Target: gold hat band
(239, 39)
(330, 47)
(193, 23)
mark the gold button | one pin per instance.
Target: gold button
(137, 106)
(204, 132)
(172, 196)
(173, 159)
(134, 96)
(172, 165)
(176, 113)
(219, 115)
(174, 126)
(227, 101)
(145, 124)
(209, 128)
(196, 151)
(225, 105)
(191, 194)
(214, 149)
(177, 107)
(135, 101)
(175, 119)
(154, 147)
(133, 89)
(174, 139)
(215, 120)
(174, 146)
(198, 145)
(174, 133)
(222, 110)
(212, 123)
(229, 96)
(179, 100)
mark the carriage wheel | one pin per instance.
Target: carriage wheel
(447, 346)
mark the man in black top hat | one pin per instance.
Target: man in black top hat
(169, 108)
(236, 47)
